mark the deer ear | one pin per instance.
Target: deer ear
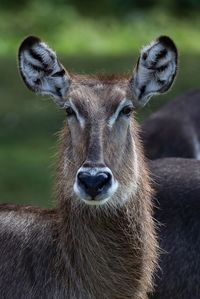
(41, 70)
(155, 70)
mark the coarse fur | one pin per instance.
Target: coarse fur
(174, 130)
(177, 206)
(83, 250)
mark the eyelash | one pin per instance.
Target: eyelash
(69, 111)
(127, 110)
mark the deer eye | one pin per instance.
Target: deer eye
(69, 111)
(127, 110)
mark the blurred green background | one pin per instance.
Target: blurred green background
(89, 36)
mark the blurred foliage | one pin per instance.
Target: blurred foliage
(125, 7)
(89, 27)
(111, 7)
(178, 7)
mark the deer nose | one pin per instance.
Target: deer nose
(94, 184)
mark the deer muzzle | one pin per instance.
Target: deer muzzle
(95, 185)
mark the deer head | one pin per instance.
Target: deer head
(101, 157)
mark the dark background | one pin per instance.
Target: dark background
(89, 36)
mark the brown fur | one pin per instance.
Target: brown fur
(91, 252)
(107, 250)
(124, 267)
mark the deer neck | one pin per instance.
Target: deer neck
(103, 250)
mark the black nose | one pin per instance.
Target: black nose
(96, 184)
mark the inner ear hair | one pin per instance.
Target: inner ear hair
(41, 70)
(155, 70)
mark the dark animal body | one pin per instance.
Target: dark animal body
(100, 242)
(177, 208)
(33, 254)
(40, 258)
(174, 130)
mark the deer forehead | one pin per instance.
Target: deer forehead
(100, 101)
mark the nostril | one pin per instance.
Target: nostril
(103, 179)
(83, 178)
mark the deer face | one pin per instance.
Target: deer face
(100, 135)
(98, 124)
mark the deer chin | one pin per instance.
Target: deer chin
(98, 200)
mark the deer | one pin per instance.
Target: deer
(100, 241)
(173, 130)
